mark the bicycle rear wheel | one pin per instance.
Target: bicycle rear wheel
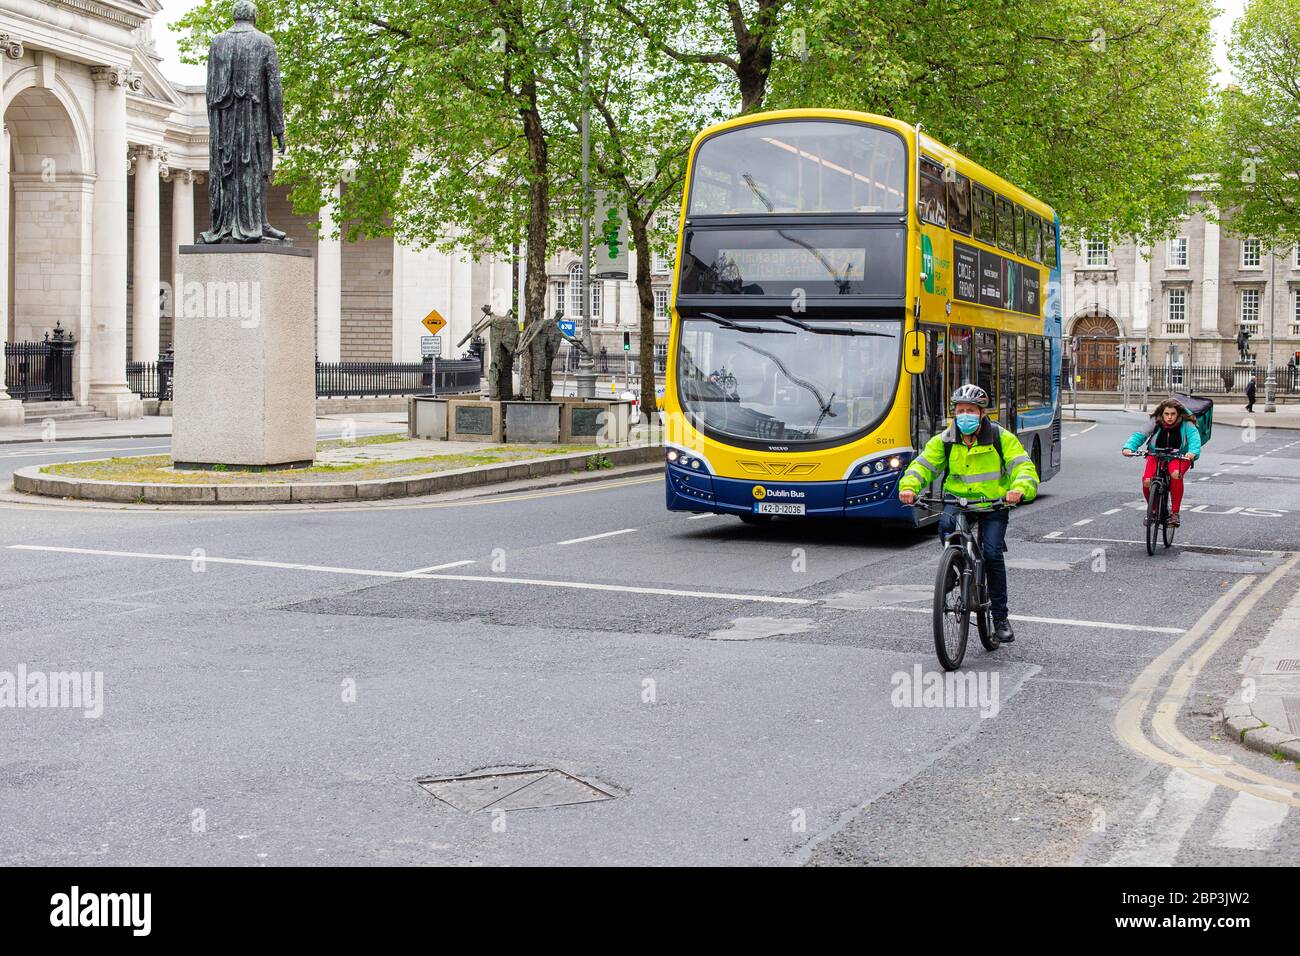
(1154, 510)
(1166, 529)
(951, 618)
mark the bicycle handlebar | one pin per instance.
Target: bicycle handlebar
(999, 504)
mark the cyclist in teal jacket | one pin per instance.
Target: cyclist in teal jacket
(1173, 429)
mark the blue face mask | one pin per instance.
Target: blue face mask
(968, 423)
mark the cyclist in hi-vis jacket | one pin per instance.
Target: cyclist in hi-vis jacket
(982, 460)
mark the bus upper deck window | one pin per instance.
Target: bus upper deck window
(986, 229)
(959, 206)
(1034, 236)
(1006, 226)
(1020, 230)
(1049, 244)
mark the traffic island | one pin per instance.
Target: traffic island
(379, 467)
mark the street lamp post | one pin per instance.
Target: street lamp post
(586, 374)
(1270, 379)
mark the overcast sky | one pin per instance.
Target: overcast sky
(183, 73)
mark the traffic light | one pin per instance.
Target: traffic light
(611, 230)
(627, 341)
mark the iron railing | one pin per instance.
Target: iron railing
(41, 371)
(1201, 379)
(152, 379)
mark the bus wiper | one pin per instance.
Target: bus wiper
(820, 329)
(728, 324)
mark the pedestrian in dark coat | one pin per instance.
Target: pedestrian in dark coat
(1250, 394)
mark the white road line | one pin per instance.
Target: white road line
(1066, 621)
(1084, 432)
(1084, 521)
(441, 567)
(1113, 511)
(1160, 828)
(707, 514)
(1251, 822)
(593, 537)
(479, 578)
(51, 448)
(1177, 544)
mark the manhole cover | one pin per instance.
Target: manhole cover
(1288, 664)
(513, 790)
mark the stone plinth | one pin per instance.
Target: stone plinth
(532, 422)
(245, 345)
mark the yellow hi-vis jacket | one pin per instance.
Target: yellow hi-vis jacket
(977, 471)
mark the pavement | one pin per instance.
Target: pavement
(1265, 714)
(280, 686)
(1234, 415)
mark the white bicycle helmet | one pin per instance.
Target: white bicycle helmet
(970, 395)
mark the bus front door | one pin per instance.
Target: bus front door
(1007, 399)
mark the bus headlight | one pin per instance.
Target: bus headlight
(695, 463)
(895, 463)
(880, 466)
(672, 454)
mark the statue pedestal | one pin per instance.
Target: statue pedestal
(1241, 376)
(245, 344)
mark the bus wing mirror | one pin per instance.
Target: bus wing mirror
(914, 353)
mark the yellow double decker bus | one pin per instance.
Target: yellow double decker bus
(838, 274)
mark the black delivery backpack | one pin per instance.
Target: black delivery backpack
(1202, 409)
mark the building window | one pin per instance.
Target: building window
(1176, 312)
(1295, 312)
(661, 356)
(596, 288)
(1096, 252)
(1178, 253)
(1250, 252)
(661, 303)
(659, 264)
(1250, 310)
(559, 298)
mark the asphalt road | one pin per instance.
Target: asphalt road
(276, 683)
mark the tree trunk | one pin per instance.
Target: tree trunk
(538, 228)
(636, 224)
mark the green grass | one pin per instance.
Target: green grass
(367, 440)
(156, 469)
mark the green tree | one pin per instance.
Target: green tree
(450, 125)
(1258, 161)
(1100, 107)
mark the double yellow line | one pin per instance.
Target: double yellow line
(1200, 643)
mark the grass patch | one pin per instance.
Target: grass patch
(157, 469)
(387, 439)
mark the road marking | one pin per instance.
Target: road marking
(1251, 823)
(593, 537)
(1084, 432)
(441, 567)
(1161, 826)
(1066, 621)
(1084, 521)
(56, 450)
(408, 575)
(707, 514)
(1113, 511)
(1191, 547)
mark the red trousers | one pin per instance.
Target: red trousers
(1178, 468)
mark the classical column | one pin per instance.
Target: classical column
(11, 411)
(1210, 284)
(182, 231)
(329, 286)
(108, 389)
(147, 254)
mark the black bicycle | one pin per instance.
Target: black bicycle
(960, 589)
(1158, 513)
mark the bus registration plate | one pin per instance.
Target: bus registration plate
(777, 508)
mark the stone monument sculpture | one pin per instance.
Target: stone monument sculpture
(245, 112)
(245, 364)
(542, 340)
(503, 343)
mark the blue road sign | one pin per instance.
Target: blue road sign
(568, 327)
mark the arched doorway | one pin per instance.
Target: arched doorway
(1095, 359)
(49, 197)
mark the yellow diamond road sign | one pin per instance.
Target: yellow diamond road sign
(433, 322)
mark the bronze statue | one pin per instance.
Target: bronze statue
(245, 112)
(503, 342)
(542, 339)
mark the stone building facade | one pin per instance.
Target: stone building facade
(1187, 297)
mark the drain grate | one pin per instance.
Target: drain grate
(1288, 665)
(1291, 706)
(538, 789)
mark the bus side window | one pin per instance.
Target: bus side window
(1022, 372)
(934, 193)
(1006, 226)
(986, 227)
(1020, 230)
(986, 349)
(959, 357)
(959, 211)
(1049, 244)
(1034, 236)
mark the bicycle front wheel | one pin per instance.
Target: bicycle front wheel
(1166, 529)
(951, 617)
(1154, 512)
